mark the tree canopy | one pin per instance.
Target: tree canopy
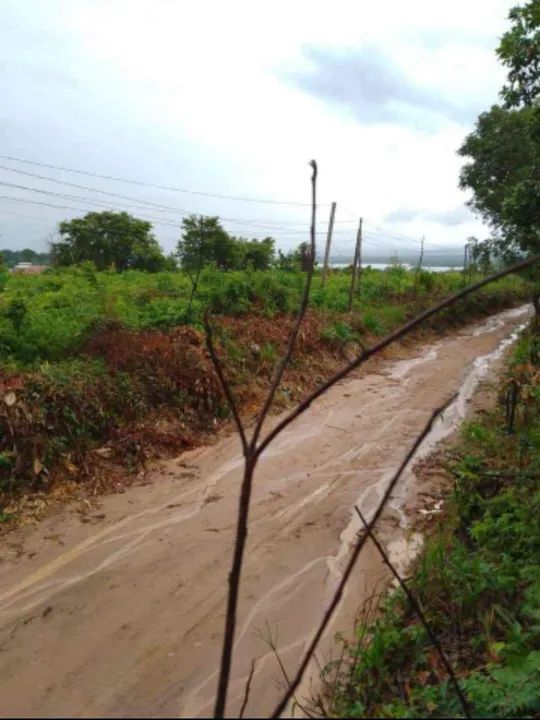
(503, 151)
(110, 240)
(205, 242)
(519, 51)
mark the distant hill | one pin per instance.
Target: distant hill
(14, 257)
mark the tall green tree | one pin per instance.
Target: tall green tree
(205, 242)
(503, 151)
(519, 51)
(503, 174)
(255, 254)
(110, 240)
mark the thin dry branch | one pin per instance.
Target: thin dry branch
(223, 381)
(301, 313)
(234, 586)
(253, 449)
(398, 334)
(352, 562)
(251, 458)
(416, 607)
(248, 688)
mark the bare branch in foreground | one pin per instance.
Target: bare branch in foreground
(352, 562)
(253, 449)
(416, 606)
(398, 334)
(251, 458)
(223, 381)
(301, 314)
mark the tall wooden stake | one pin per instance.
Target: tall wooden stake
(328, 243)
(359, 259)
(355, 264)
(419, 266)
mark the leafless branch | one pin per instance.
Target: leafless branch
(366, 354)
(248, 688)
(301, 313)
(251, 458)
(254, 448)
(272, 644)
(416, 607)
(223, 381)
(352, 562)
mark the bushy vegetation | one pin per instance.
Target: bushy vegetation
(503, 176)
(92, 358)
(50, 316)
(478, 581)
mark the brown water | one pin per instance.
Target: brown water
(123, 615)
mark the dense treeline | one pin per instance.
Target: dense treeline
(14, 257)
(119, 241)
(503, 151)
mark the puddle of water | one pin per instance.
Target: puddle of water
(402, 550)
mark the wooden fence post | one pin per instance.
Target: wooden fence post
(328, 243)
(419, 266)
(357, 251)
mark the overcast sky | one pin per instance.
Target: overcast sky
(234, 99)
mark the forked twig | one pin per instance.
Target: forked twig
(416, 607)
(251, 458)
(253, 449)
(301, 313)
(352, 562)
(397, 334)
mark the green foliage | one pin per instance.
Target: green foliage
(49, 316)
(340, 333)
(519, 51)
(504, 148)
(110, 240)
(205, 242)
(503, 153)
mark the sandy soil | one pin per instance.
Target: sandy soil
(118, 610)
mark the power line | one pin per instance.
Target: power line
(159, 221)
(97, 203)
(274, 225)
(145, 203)
(155, 185)
(10, 198)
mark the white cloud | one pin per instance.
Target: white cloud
(194, 94)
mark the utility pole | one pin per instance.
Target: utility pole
(328, 243)
(357, 251)
(465, 261)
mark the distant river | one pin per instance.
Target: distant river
(407, 266)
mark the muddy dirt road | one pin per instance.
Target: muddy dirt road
(119, 611)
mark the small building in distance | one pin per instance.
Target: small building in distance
(29, 268)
